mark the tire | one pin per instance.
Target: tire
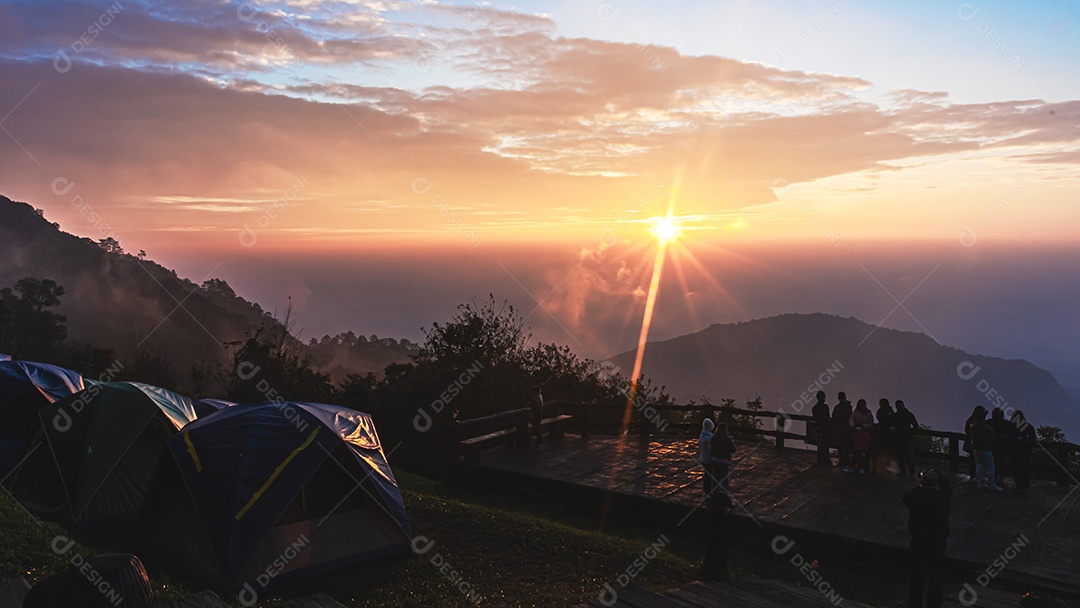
(104, 581)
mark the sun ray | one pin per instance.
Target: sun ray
(663, 238)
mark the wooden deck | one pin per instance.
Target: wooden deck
(745, 592)
(1038, 534)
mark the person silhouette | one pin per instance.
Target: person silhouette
(976, 414)
(719, 501)
(536, 412)
(903, 425)
(705, 454)
(841, 430)
(928, 523)
(982, 442)
(860, 421)
(721, 449)
(820, 414)
(882, 444)
(1000, 444)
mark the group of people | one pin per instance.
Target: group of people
(859, 436)
(992, 443)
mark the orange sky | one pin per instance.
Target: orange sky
(299, 129)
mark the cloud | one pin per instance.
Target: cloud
(215, 37)
(192, 103)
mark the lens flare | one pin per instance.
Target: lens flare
(666, 230)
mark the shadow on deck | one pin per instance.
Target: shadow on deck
(1035, 536)
(746, 592)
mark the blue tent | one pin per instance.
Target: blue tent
(26, 387)
(266, 493)
(205, 407)
(101, 447)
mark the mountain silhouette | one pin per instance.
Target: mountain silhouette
(785, 359)
(135, 306)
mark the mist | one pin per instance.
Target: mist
(1011, 301)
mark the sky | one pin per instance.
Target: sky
(381, 162)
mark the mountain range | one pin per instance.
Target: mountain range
(135, 306)
(141, 309)
(786, 359)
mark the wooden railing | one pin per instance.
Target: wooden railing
(474, 427)
(608, 419)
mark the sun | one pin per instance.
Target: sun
(666, 229)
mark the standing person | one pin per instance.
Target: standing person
(861, 420)
(903, 425)
(1022, 442)
(721, 449)
(820, 413)
(928, 523)
(841, 428)
(976, 414)
(536, 409)
(982, 442)
(705, 455)
(1003, 436)
(882, 444)
(884, 410)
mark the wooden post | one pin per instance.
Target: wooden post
(780, 433)
(954, 454)
(458, 451)
(1062, 455)
(523, 438)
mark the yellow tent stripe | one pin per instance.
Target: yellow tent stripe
(277, 471)
(194, 454)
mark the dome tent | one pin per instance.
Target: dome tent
(204, 407)
(260, 494)
(104, 444)
(26, 387)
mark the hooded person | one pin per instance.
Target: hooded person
(705, 453)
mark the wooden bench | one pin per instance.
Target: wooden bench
(472, 447)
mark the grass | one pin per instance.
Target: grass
(499, 550)
(506, 557)
(30, 549)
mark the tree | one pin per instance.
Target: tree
(491, 334)
(480, 359)
(38, 294)
(27, 329)
(358, 391)
(219, 286)
(737, 421)
(270, 365)
(1051, 434)
(110, 245)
